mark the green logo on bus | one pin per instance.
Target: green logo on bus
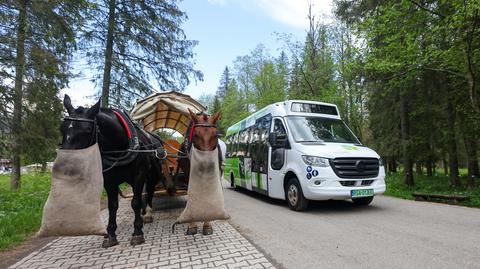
(349, 147)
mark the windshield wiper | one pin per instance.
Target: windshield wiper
(312, 141)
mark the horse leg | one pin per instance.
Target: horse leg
(147, 200)
(192, 228)
(170, 184)
(137, 236)
(207, 228)
(112, 194)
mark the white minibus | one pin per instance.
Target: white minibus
(301, 150)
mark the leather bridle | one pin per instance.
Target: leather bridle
(94, 133)
(201, 125)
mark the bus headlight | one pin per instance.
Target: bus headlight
(315, 161)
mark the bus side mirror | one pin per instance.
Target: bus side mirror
(272, 139)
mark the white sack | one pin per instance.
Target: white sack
(73, 205)
(205, 194)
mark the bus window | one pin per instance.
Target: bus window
(234, 145)
(278, 150)
(279, 129)
(262, 146)
(229, 143)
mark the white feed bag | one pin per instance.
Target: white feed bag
(73, 205)
(205, 194)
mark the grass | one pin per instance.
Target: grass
(439, 184)
(21, 210)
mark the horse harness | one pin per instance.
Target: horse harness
(189, 143)
(111, 159)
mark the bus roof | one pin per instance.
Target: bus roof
(301, 107)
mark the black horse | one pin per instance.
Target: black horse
(85, 127)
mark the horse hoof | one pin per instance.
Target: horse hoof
(137, 240)
(171, 191)
(147, 219)
(191, 231)
(109, 242)
(207, 230)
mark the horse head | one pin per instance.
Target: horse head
(203, 134)
(79, 128)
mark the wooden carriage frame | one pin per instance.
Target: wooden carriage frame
(166, 110)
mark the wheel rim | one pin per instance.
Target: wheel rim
(292, 194)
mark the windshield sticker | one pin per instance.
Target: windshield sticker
(349, 147)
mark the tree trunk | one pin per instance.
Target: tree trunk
(472, 159)
(429, 166)
(108, 54)
(404, 126)
(452, 145)
(394, 164)
(445, 166)
(18, 96)
(418, 168)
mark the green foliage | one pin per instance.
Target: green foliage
(42, 120)
(21, 210)
(37, 40)
(148, 48)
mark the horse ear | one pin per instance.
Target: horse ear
(192, 115)
(67, 103)
(93, 111)
(216, 117)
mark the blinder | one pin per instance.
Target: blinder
(94, 134)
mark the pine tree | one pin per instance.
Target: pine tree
(37, 39)
(140, 47)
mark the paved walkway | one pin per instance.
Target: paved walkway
(226, 248)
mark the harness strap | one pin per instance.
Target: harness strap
(124, 123)
(111, 159)
(192, 130)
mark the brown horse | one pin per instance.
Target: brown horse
(204, 136)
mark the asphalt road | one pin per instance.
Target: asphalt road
(390, 233)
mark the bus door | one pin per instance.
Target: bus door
(278, 143)
(259, 154)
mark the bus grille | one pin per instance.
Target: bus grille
(355, 167)
(356, 183)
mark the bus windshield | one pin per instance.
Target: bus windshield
(316, 129)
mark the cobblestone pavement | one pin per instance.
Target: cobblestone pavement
(226, 248)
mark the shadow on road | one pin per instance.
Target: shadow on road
(323, 207)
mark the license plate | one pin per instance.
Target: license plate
(361, 193)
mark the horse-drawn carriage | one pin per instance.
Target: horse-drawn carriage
(168, 110)
(122, 151)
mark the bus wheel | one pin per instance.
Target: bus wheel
(232, 181)
(364, 201)
(294, 195)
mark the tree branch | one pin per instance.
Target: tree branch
(422, 7)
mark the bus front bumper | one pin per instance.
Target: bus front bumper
(333, 190)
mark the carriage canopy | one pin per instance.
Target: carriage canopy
(165, 110)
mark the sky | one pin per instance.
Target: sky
(225, 29)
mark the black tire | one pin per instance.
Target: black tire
(294, 195)
(363, 201)
(232, 181)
